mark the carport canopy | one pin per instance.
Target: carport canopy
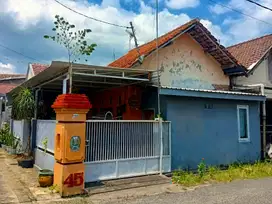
(85, 76)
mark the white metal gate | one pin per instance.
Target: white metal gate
(118, 149)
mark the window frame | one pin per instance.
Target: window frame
(246, 107)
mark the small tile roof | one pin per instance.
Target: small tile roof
(6, 87)
(8, 76)
(250, 52)
(196, 30)
(215, 91)
(37, 68)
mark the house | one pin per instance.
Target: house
(209, 119)
(7, 83)
(256, 56)
(34, 69)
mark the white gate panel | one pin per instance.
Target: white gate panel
(96, 171)
(118, 149)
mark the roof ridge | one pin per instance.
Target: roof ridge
(195, 20)
(40, 64)
(11, 74)
(258, 38)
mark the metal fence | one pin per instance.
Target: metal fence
(108, 140)
(114, 149)
(122, 148)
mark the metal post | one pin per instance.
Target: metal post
(64, 85)
(70, 78)
(36, 103)
(159, 84)
(161, 145)
(1, 111)
(264, 129)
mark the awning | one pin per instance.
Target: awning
(87, 76)
(215, 94)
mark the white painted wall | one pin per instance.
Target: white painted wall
(30, 72)
(259, 75)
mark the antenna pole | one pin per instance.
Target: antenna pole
(134, 37)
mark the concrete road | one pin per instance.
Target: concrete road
(237, 192)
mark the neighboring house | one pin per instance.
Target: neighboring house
(256, 56)
(34, 69)
(209, 119)
(10, 81)
(7, 83)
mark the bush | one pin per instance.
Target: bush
(4, 134)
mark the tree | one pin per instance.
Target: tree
(74, 41)
(23, 104)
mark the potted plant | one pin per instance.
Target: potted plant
(26, 160)
(45, 178)
(23, 106)
(14, 143)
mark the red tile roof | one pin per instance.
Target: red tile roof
(129, 59)
(196, 30)
(5, 76)
(6, 87)
(37, 68)
(250, 52)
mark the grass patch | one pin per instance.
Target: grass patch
(214, 174)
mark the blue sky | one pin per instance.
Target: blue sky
(23, 24)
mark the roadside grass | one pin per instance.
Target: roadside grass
(213, 174)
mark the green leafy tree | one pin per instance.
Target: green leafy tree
(73, 40)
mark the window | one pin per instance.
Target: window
(243, 123)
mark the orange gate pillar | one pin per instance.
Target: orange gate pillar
(69, 147)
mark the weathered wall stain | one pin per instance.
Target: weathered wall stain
(184, 64)
(192, 83)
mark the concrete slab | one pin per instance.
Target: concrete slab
(126, 183)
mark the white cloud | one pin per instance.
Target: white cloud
(179, 4)
(240, 27)
(110, 3)
(6, 68)
(216, 31)
(245, 28)
(108, 38)
(218, 9)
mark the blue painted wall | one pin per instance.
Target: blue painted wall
(211, 134)
(150, 100)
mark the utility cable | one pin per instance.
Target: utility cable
(95, 19)
(258, 4)
(19, 53)
(223, 5)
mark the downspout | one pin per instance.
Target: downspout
(263, 115)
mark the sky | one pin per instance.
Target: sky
(23, 24)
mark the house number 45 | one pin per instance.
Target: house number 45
(73, 180)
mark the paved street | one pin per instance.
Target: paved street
(238, 192)
(15, 185)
